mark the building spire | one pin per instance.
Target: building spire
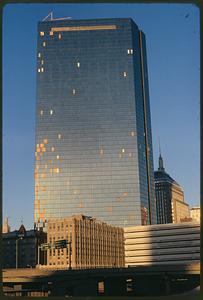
(159, 147)
(6, 227)
(161, 165)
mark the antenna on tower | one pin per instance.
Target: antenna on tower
(52, 19)
(159, 147)
(51, 16)
(161, 165)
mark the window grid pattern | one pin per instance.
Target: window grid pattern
(98, 166)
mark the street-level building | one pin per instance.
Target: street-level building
(162, 244)
(93, 129)
(171, 207)
(20, 248)
(92, 243)
(195, 213)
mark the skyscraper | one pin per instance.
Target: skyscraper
(93, 132)
(171, 207)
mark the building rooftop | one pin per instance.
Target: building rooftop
(20, 232)
(161, 175)
(161, 227)
(80, 217)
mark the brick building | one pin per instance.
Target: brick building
(20, 248)
(93, 243)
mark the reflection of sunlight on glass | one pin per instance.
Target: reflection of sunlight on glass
(101, 151)
(80, 205)
(109, 209)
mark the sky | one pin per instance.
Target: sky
(173, 41)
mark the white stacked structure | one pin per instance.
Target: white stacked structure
(162, 244)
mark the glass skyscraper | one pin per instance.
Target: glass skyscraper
(93, 132)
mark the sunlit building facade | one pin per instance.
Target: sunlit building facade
(195, 213)
(6, 227)
(93, 129)
(92, 243)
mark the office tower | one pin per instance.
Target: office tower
(92, 243)
(93, 131)
(171, 207)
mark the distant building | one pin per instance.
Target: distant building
(20, 248)
(171, 207)
(162, 244)
(6, 227)
(93, 243)
(195, 213)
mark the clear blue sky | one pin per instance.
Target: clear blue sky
(172, 33)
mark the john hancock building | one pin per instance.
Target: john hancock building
(93, 128)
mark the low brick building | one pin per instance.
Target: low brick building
(93, 243)
(20, 248)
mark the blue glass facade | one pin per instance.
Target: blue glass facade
(93, 133)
